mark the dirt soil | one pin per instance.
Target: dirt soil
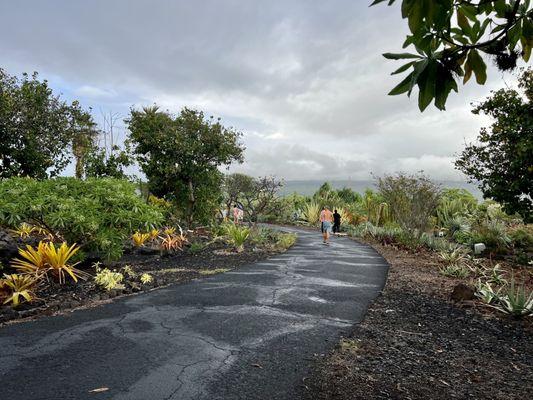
(179, 267)
(415, 343)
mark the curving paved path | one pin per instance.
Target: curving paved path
(246, 334)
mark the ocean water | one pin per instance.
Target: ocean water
(309, 187)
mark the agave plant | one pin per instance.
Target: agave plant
(311, 213)
(17, 288)
(516, 301)
(486, 293)
(237, 235)
(456, 257)
(47, 260)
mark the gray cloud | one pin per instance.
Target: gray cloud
(303, 79)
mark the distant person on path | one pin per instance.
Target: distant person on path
(326, 219)
(237, 214)
(336, 222)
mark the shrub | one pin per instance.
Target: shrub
(412, 199)
(196, 247)
(46, 259)
(493, 234)
(522, 238)
(286, 240)
(455, 271)
(515, 301)
(108, 279)
(16, 289)
(311, 213)
(237, 235)
(98, 213)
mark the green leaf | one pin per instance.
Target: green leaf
(463, 22)
(403, 86)
(403, 68)
(513, 35)
(477, 65)
(400, 56)
(426, 85)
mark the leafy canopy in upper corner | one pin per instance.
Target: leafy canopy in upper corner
(38, 130)
(451, 36)
(502, 159)
(180, 156)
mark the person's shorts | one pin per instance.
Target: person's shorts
(326, 227)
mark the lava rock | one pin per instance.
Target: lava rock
(462, 292)
(8, 247)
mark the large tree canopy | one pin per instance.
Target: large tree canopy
(180, 156)
(449, 38)
(38, 129)
(502, 158)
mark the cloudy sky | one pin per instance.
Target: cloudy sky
(303, 80)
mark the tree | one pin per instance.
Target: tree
(83, 138)
(37, 129)
(98, 165)
(348, 195)
(412, 199)
(180, 155)
(259, 197)
(502, 159)
(450, 37)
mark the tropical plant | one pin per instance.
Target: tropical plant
(24, 230)
(286, 240)
(451, 38)
(140, 238)
(493, 234)
(108, 279)
(515, 300)
(311, 213)
(196, 247)
(495, 275)
(146, 279)
(237, 235)
(46, 259)
(17, 288)
(154, 234)
(128, 270)
(98, 214)
(457, 257)
(454, 271)
(486, 293)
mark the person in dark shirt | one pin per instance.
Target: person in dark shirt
(336, 222)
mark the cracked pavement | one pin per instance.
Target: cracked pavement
(251, 333)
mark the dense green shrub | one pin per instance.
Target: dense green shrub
(98, 214)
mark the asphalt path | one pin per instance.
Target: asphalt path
(251, 333)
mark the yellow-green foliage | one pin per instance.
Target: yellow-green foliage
(46, 259)
(286, 240)
(311, 213)
(213, 271)
(130, 273)
(24, 230)
(237, 235)
(16, 288)
(146, 279)
(108, 279)
(140, 238)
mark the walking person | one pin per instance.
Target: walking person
(326, 219)
(336, 222)
(237, 214)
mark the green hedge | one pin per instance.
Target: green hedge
(97, 213)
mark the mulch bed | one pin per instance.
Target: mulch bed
(178, 267)
(415, 343)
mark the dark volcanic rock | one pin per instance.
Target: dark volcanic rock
(462, 292)
(8, 247)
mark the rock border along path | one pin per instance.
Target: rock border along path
(250, 333)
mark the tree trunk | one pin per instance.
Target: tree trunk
(190, 207)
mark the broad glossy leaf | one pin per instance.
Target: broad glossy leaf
(400, 56)
(403, 86)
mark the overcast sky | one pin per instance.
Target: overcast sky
(303, 80)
